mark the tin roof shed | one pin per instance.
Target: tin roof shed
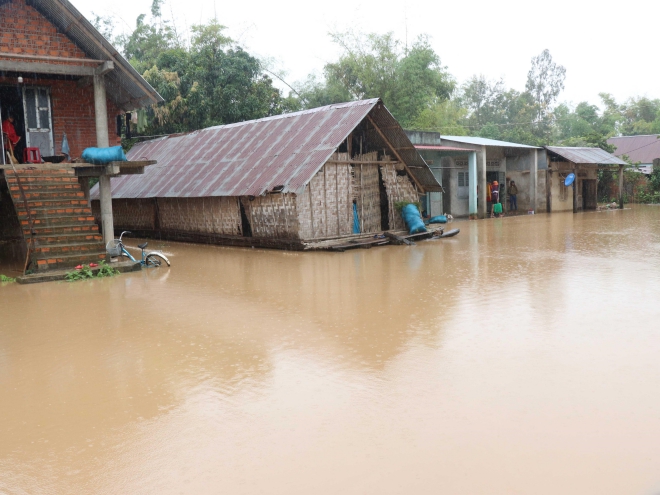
(586, 156)
(255, 157)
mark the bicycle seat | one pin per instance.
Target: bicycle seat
(143, 245)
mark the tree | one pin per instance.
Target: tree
(409, 80)
(545, 81)
(209, 81)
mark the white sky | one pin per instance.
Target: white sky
(605, 47)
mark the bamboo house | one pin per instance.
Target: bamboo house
(292, 181)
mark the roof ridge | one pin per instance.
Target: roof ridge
(333, 106)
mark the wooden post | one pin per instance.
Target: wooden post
(311, 208)
(361, 199)
(548, 190)
(337, 197)
(575, 195)
(325, 198)
(621, 187)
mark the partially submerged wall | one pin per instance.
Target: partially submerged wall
(325, 208)
(219, 215)
(399, 188)
(274, 215)
(366, 193)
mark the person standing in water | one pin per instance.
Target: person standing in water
(513, 195)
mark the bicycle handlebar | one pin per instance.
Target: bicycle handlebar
(124, 232)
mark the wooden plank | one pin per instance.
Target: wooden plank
(356, 245)
(398, 240)
(391, 146)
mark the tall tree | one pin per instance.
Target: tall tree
(545, 81)
(408, 80)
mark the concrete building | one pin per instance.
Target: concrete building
(465, 165)
(584, 163)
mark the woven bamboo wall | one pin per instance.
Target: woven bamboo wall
(325, 209)
(273, 215)
(138, 214)
(214, 215)
(367, 192)
(399, 188)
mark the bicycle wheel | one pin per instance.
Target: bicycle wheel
(155, 259)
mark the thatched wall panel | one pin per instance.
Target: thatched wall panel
(325, 208)
(213, 215)
(273, 215)
(399, 188)
(138, 214)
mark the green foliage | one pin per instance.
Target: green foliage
(408, 79)
(106, 270)
(86, 272)
(545, 81)
(4, 278)
(652, 197)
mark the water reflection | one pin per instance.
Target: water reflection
(384, 370)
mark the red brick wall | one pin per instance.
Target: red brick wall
(24, 30)
(73, 113)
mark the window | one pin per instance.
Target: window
(463, 185)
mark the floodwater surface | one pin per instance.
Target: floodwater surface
(520, 357)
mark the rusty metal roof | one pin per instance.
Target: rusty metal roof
(252, 158)
(642, 149)
(586, 155)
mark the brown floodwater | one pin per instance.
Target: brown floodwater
(521, 357)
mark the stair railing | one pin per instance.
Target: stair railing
(30, 247)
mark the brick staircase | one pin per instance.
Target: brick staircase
(65, 234)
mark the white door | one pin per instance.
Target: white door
(38, 122)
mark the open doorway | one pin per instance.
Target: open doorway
(11, 103)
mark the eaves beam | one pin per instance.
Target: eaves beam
(57, 69)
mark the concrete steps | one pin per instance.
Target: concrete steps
(57, 224)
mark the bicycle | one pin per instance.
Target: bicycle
(152, 259)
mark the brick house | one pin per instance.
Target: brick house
(58, 75)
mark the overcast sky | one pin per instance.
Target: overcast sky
(603, 49)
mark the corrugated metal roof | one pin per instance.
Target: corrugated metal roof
(642, 149)
(486, 142)
(251, 158)
(441, 148)
(124, 85)
(586, 155)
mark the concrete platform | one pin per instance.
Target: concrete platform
(54, 275)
